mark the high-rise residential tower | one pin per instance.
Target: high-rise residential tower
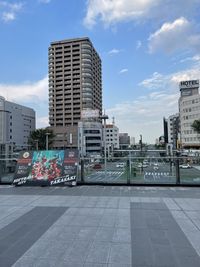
(75, 84)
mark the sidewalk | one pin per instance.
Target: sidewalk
(95, 226)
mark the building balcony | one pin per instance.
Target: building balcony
(86, 45)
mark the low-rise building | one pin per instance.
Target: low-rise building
(112, 138)
(124, 141)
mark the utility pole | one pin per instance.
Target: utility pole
(141, 151)
(141, 143)
(104, 118)
(47, 141)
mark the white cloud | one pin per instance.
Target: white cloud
(42, 122)
(114, 51)
(169, 82)
(112, 12)
(173, 36)
(123, 71)
(195, 58)
(30, 94)
(153, 82)
(8, 16)
(8, 11)
(144, 115)
(115, 11)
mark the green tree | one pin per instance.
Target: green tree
(37, 138)
(196, 126)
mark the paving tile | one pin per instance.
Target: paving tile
(97, 227)
(18, 237)
(77, 251)
(87, 233)
(119, 265)
(161, 242)
(122, 235)
(104, 234)
(99, 252)
(88, 264)
(120, 253)
(107, 221)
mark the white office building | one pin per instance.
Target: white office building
(112, 137)
(16, 124)
(90, 138)
(189, 109)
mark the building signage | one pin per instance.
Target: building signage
(186, 93)
(48, 167)
(189, 84)
(89, 113)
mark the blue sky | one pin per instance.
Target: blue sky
(146, 47)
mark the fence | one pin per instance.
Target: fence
(141, 170)
(128, 170)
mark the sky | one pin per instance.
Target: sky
(147, 47)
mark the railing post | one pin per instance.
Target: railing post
(128, 171)
(177, 171)
(82, 170)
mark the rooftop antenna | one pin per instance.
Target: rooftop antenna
(113, 120)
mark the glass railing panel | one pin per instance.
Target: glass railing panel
(189, 170)
(153, 170)
(7, 170)
(97, 171)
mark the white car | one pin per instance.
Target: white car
(120, 165)
(185, 166)
(140, 165)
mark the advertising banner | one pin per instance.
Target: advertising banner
(48, 167)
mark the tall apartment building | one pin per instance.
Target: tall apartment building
(75, 84)
(189, 109)
(16, 124)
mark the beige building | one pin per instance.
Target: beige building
(112, 137)
(75, 84)
(189, 109)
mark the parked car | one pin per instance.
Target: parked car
(142, 165)
(97, 166)
(185, 166)
(120, 165)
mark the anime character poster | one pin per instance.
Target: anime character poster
(48, 167)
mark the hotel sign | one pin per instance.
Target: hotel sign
(189, 84)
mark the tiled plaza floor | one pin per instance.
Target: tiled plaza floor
(96, 226)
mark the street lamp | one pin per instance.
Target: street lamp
(47, 140)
